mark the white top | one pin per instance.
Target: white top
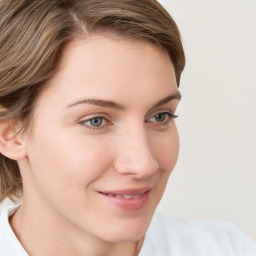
(165, 237)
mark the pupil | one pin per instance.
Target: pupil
(160, 117)
(96, 122)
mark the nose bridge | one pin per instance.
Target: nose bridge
(135, 155)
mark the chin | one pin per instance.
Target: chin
(127, 231)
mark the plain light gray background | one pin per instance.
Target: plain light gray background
(216, 173)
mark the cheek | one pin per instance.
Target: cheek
(66, 161)
(165, 149)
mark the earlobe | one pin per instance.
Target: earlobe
(12, 143)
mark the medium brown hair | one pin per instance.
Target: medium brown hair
(33, 35)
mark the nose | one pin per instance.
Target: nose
(134, 154)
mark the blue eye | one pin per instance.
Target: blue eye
(162, 117)
(95, 122)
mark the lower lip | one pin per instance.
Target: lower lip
(128, 204)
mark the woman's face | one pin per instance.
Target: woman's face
(103, 140)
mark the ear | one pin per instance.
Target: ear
(12, 143)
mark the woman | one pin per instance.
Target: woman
(88, 95)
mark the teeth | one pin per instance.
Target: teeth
(126, 196)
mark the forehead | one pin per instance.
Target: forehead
(105, 46)
(114, 68)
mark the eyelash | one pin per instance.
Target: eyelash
(168, 116)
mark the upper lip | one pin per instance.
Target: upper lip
(129, 191)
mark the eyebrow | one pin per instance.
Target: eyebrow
(117, 106)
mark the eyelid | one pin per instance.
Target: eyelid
(168, 112)
(92, 116)
(106, 120)
(169, 117)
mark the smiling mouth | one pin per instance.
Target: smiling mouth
(129, 199)
(124, 196)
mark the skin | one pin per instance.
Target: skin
(64, 163)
